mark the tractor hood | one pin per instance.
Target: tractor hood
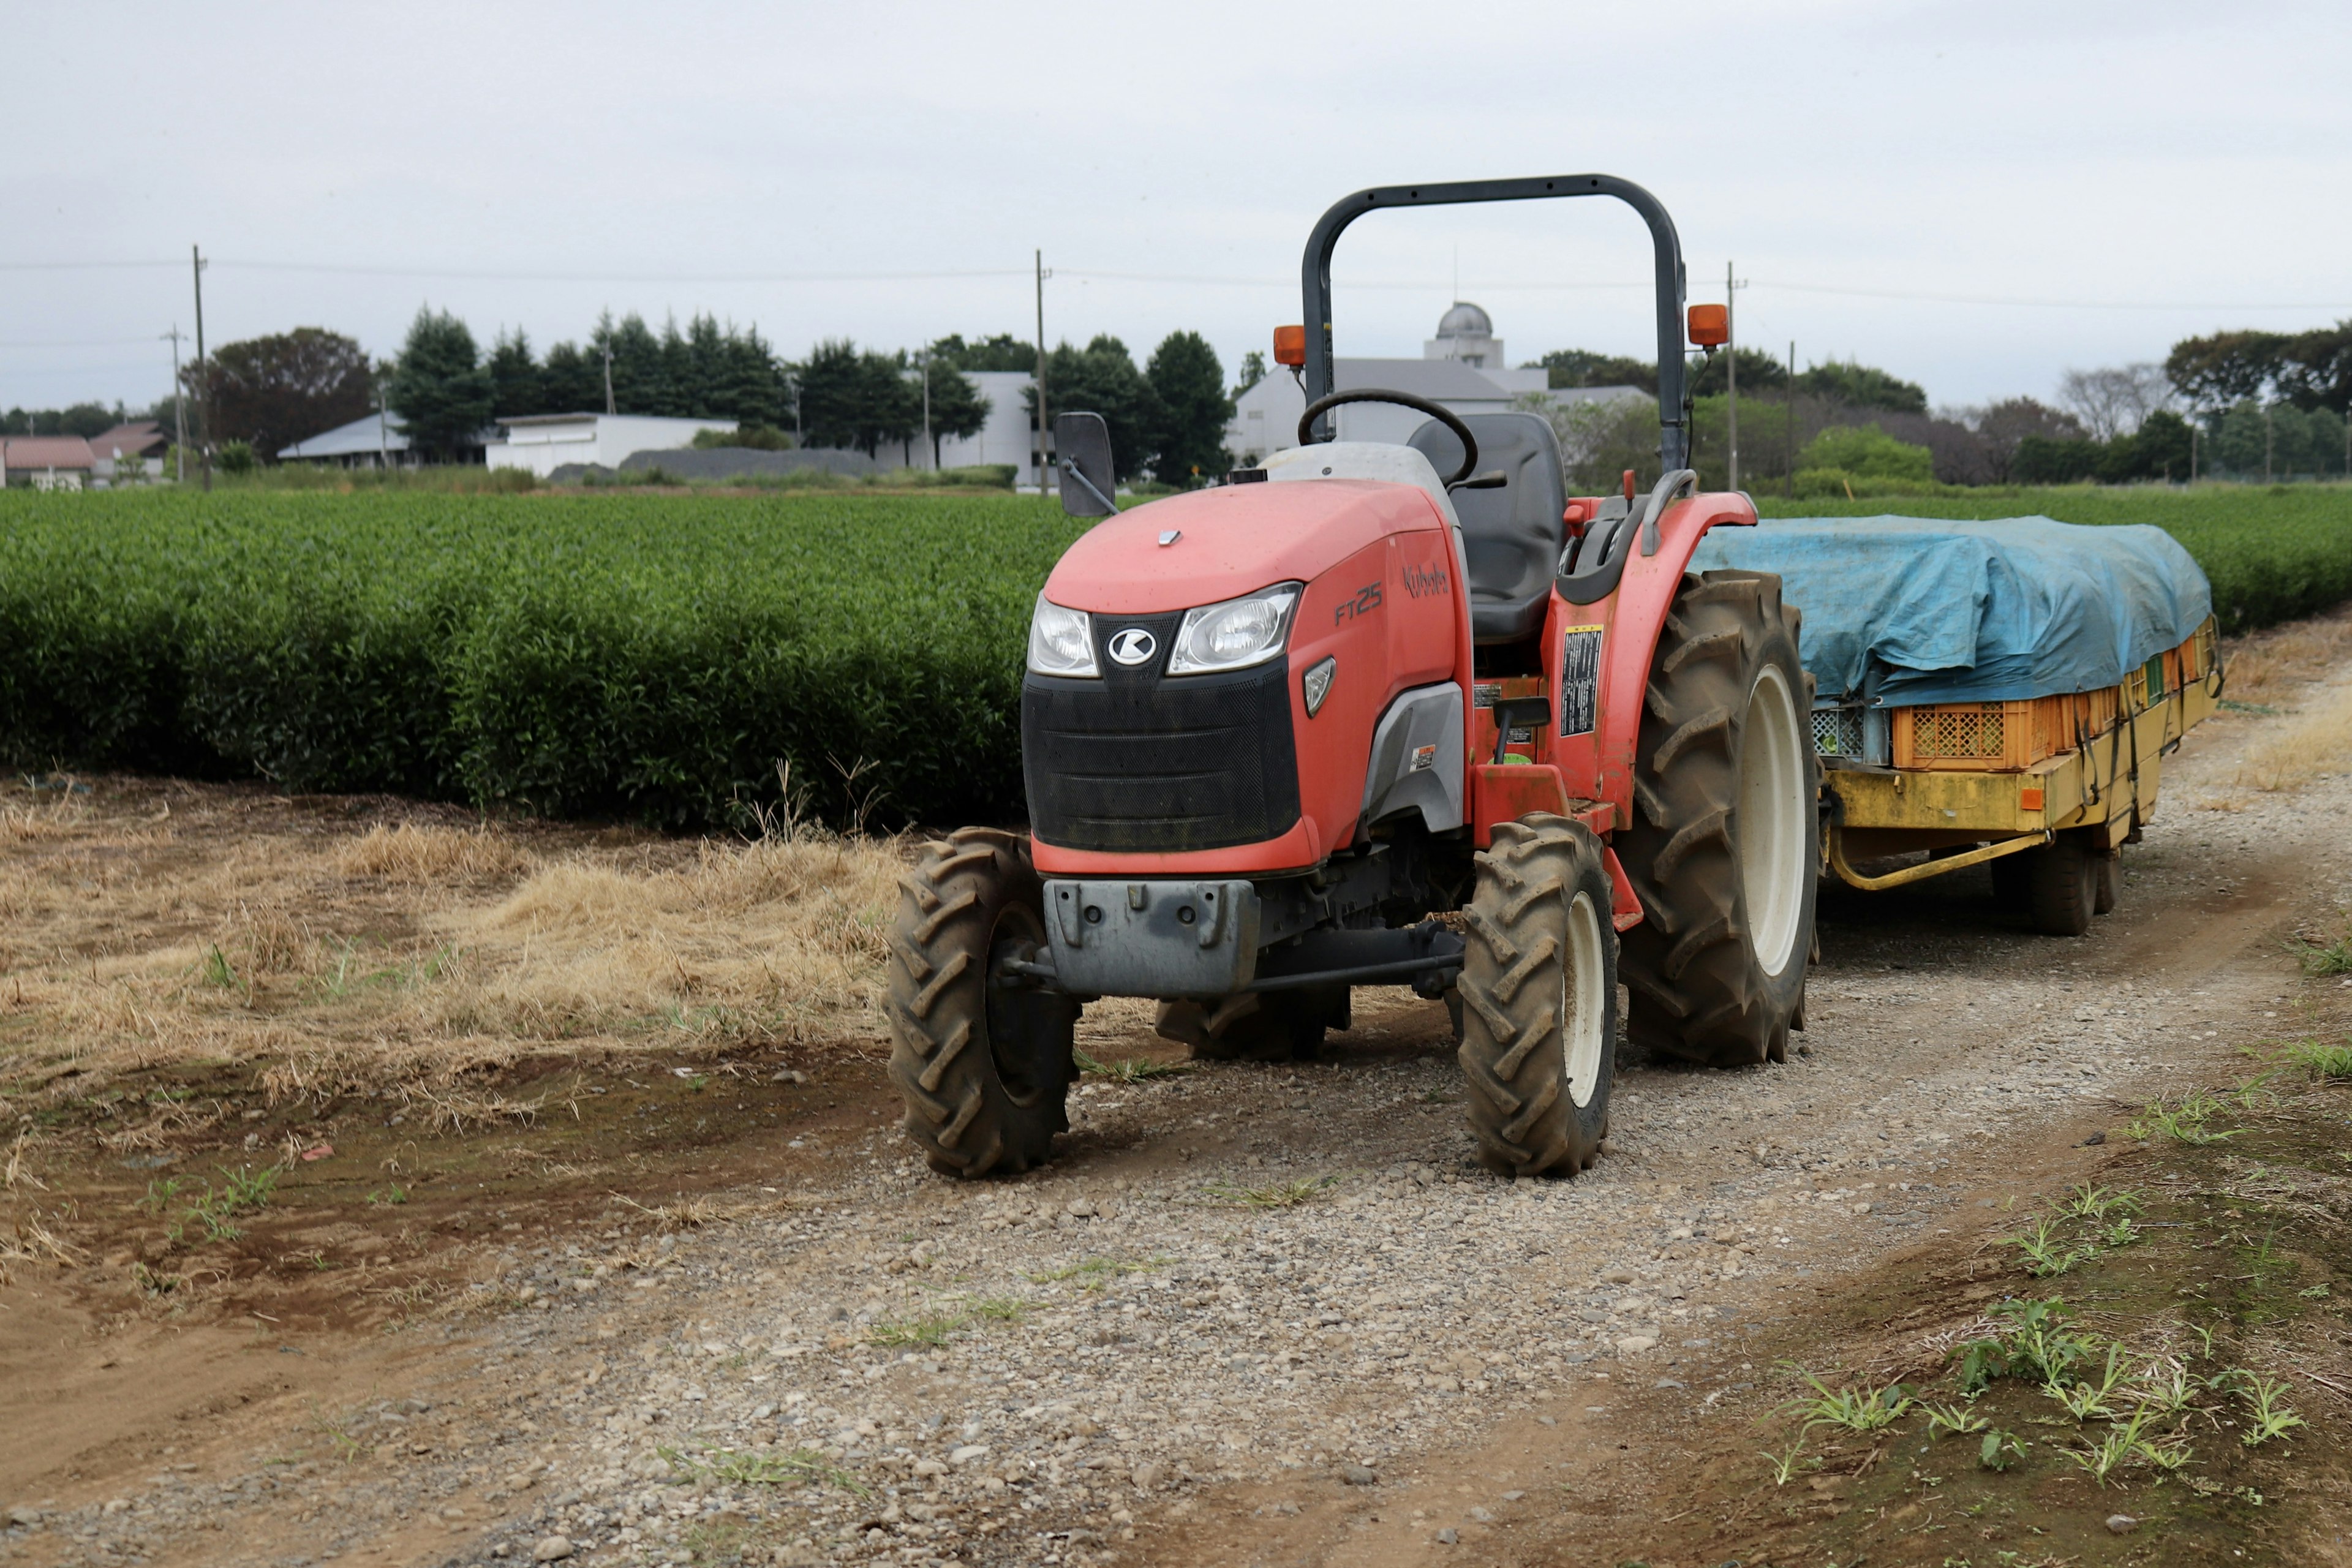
(1231, 541)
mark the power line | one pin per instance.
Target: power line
(1196, 279)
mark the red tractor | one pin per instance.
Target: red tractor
(1271, 730)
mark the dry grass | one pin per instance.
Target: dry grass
(2296, 749)
(238, 928)
(2270, 667)
(428, 855)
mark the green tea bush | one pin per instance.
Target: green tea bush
(654, 657)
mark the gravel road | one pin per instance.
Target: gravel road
(1249, 1293)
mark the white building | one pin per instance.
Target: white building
(545, 442)
(1463, 367)
(373, 442)
(1009, 436)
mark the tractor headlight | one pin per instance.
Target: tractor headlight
(1060, 642)
(1235, 633)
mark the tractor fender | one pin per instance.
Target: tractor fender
(1597, 656)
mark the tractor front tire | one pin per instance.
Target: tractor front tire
(1538, 998)
(983, 1063)
(1725, 839)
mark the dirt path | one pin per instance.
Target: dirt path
(1250, 1315)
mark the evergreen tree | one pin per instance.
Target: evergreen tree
(640, 383)
(1188, 386)
(571, 380)
(515, 385)
(441, 391)
(1002, 351)
(855, 399)
(1101, 378)
(957, 408)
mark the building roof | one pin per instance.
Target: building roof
(368, 435)
(699, 423)
(47, 452)
(1466, 321)
(135, 439)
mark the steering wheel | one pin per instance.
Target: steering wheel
(1444, 416)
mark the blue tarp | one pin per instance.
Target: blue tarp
(1911, 609)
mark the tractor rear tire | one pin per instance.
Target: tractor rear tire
(1256, 1026)
(2061, 884)
(983, 1066)
(1725, 841)
(1538, 993)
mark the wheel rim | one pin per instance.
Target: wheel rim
(1772, 807)
(1584, 1011)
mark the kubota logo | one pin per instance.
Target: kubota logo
(1133, 646)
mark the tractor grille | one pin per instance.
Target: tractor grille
(1138, 763)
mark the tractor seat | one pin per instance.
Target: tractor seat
(1512, 536)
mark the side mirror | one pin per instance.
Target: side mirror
(1082, 448)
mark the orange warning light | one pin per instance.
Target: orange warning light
(1290, 345)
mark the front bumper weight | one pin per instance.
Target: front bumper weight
(1161, 939)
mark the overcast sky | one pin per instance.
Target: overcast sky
(1975, 197)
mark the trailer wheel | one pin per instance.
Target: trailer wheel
(1256, 1026)
(982, 1066)
(1538, 993)
(2062, 885)
(1725, 838)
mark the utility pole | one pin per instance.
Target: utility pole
(179, 413)
(927, 409)
(608, 384)
(1789, 435)
(1732, 372)
(2267, 443)
(1043, 459)
(383, 422)
(204, 408)
(2193, 433)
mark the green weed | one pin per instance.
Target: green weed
(1094, 1271)
(218, 971)
(2044, 1254)
(2184, 1122)
(800, 1466)
(1129, 1070)
(1279, 1195)
(2270, 1417)
(2325, 1063)
(2090, 1203)
(2031, 1342)
(1847, 1409)
(2318, 959)
(2000, 1449)
(393, 1195)
(1784, 1466)
(933, 1329)
(1956, 1420)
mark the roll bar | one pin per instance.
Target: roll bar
(1673, 435)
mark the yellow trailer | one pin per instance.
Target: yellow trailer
(2047, 790)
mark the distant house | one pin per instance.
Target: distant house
(47, 462)
(1462, 367)
(1010, 435)
(369, 443)
(129, 454)
(545, 442)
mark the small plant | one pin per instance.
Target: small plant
(1094, 1271)
(2123, 1233)
(1849, 1409)
(933, 1329)
(1784, 1466)
(1130, 1069)
(1957, 1420)
(390, 1196)
(2168, 1457)
(2319, 959)
(2089, 1203)
(217, 970)
(2035, 1345)
(2045, 1256)
(2000, 1449)
(2315, 1292)
(998, 1309)
(1279, 1195)
(2163, 1387)
(2325, 1064)
(161, 1191)
(2271, 1418)
(801, 1466)
(247, 1188)
(2085, 1400)
(2184, 1122)
(2121, 1444)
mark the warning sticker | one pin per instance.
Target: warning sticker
(1580, 679)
